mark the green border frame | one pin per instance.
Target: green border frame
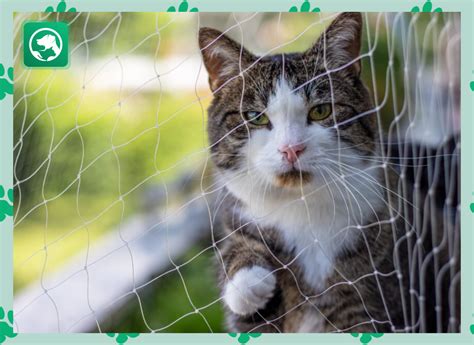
(465, 7)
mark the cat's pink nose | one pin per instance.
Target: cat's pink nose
(292, 152)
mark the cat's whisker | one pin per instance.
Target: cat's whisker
(374, 182)
(346, 185)
(333, 221)
(369, 204)
(368, 177)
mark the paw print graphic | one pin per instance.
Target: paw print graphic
(6, 325)
(6, 204)
(471, 85)
(121, 338)
(427, 7)
(366, 338)
(243, 338)
(61, 7)
(305, 7)
(6, 82)
(183, 7)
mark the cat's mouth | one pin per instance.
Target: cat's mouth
(293, 178)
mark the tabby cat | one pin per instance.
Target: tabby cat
(310, 218)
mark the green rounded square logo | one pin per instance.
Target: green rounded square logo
(45, 44)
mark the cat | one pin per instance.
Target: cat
(310, 218)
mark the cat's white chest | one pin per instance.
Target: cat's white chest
(316, 228)
(315, 237)
(314, 247)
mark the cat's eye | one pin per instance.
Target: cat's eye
(320, 112)
(257, 118)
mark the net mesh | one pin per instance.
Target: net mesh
(111, 165)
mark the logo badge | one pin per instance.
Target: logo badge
(45, 44)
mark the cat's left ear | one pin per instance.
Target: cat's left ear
(340, 43)
(223, 57)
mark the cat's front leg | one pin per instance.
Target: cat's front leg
(249, 290)
(248, 279)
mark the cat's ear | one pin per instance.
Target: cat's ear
(340, 42)
(223, 57)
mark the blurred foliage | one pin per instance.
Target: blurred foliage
(171, 301)
(113, 141)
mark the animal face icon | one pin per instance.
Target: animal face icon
(48, 42)
(50, 46)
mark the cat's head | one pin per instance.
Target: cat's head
(288, 120)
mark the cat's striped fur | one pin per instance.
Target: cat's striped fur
(310, 249)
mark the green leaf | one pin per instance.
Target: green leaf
(305, 6)
(72, 9)
(61, 6)
(438, 9)
(415, 9)
(49, 9)
(293, 9)
(171, 9)
(194, 9)
(316, 9)
(427, 6)
(183, 7)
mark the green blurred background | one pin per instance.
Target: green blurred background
(130, 114)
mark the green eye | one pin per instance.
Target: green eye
(320, 112)
(257, 118)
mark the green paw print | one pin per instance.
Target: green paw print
(243, 338)
(61, 7)
(472, 207)
(427, 7)
(121, 338)
(472, 329)
(6, 83)
(305, 7)
(6, 326)
(6, 206)
(366, 338)
(183, 7)
(471, 84)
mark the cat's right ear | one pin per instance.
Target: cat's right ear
(223, 57)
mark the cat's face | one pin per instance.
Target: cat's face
(284, 120)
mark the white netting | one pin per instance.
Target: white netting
(116, 208)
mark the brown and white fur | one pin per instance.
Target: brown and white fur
(309, 245)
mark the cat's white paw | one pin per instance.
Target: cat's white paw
(249, 290)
